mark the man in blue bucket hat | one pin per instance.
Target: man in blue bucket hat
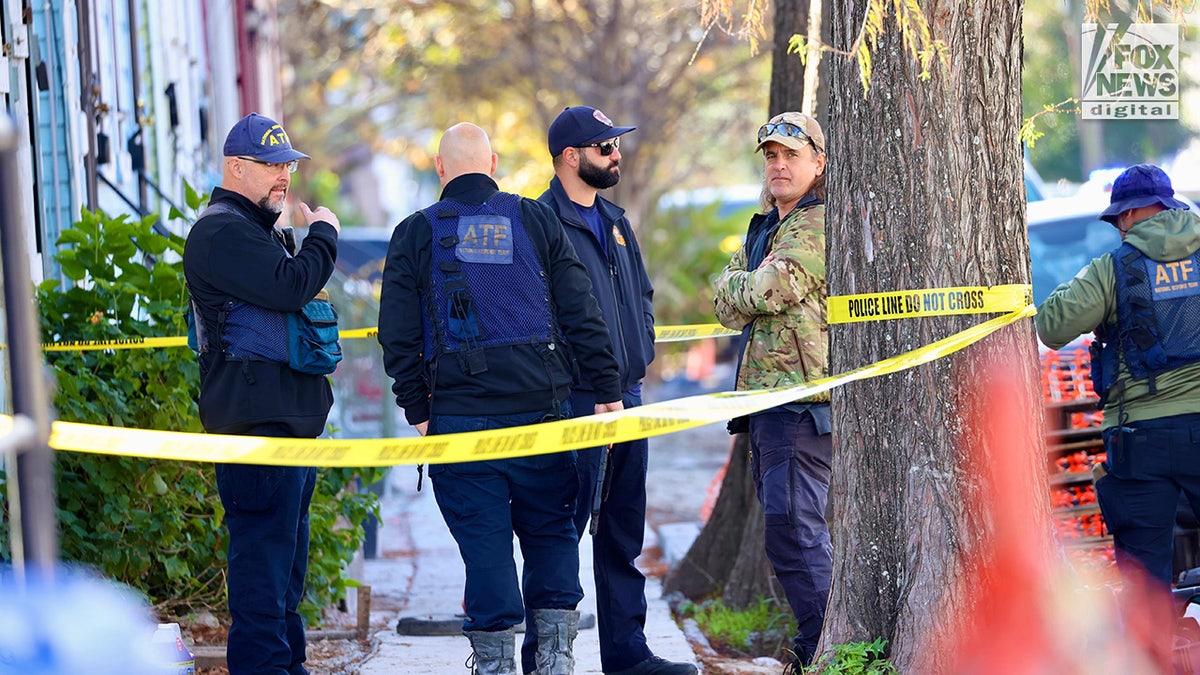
(1143, 302)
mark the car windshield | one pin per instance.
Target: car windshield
(1058, 249)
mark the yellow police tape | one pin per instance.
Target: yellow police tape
(929, 302)
(662, 334)
(123, 343)
(654, 419)
(841, 309)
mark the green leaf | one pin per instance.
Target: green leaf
(71, 237)
(194, 199)
(72, 270)
(160, 485)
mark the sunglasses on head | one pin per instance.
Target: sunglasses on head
(606, 148)
(783, 129)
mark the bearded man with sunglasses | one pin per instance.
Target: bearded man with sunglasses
(586, 151)
(243, 278)
(773, 290)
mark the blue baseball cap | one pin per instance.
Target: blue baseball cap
(579, 125)
(1140, 185)
(261, 138)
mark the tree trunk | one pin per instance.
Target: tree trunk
(728, 557)
(751, 577)
(787, 72)
(925, 192)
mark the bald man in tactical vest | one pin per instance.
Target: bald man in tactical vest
(483, 309)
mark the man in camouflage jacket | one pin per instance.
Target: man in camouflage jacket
(773, 290)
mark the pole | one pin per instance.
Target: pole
(35, 536)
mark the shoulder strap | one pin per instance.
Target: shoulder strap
(203, 344)
(217, 208)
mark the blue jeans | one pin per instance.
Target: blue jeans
(484, 503)
(791, 468)
(1149, 465)
(266, 511)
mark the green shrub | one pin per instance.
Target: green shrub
(152, 524)
(686, 249)
(856, 658)
(155, 525)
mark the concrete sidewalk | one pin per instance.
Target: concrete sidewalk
(418, 573)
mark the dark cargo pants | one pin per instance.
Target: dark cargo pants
(484, 503)
(1149, 464)
(266, 511)
(791, 467)
(620, 585)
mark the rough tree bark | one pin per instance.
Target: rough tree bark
(787, 73)
(925, 192)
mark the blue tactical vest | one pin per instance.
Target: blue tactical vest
(246, 332)
(488, 286)
(1158, 319)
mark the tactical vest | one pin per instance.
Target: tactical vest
(1158, 319)
(488, 286)
(244, 332)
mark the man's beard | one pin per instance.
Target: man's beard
(273, 207)
(596, 177)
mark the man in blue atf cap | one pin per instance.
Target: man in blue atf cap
(243, 279)
(585, 147)
(1143, 302)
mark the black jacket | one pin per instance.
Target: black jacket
(517, 379)
(619, 282)
(238, 256)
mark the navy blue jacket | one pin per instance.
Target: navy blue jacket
(619, 282)
(237, 256)
(518, 379)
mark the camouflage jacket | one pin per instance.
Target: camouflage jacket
(779, 304)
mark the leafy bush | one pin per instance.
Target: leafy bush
(686, 248)
(855, 658)
(155, 525)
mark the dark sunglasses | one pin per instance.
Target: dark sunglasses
(783, 129)
(606, 148)
(275, 166)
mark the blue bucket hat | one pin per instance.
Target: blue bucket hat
(580, 125)
(261, 138)
(1140, 185)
